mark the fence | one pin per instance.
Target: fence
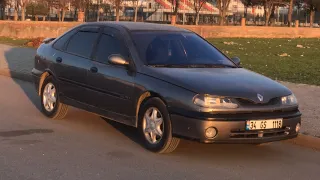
(161, 16)
(53, 29)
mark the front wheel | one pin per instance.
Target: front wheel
(155, 127)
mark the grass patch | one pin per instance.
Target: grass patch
(13, 42)
(299, 64)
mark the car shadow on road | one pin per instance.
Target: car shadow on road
(194, 150)
(128, 131)
(17, 63)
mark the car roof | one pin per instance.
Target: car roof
(140, 26)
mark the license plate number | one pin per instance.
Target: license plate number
(264, 124)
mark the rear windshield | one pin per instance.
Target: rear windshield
(177, 48)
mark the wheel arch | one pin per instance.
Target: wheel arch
(43, 76)
(143, 98)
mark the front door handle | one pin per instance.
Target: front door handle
(59, 60)
(94, 69)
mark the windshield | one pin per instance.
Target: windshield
(177, 48)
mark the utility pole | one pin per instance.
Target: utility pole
(98, 12)
(184, 12)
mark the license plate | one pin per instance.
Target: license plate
(264, 124)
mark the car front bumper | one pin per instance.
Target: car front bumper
(232, 131)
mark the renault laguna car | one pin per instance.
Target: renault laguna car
(168, 82)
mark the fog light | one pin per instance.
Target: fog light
(298, 126)
(211, 132)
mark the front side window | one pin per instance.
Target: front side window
(110, 45)
(177, 48)
(82, 43)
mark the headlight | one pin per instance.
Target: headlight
(209, 101)
(289, 100)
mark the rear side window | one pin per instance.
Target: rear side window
(82, 43)
(60, 43)
(109, 45)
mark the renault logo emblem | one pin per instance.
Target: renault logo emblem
(260, 97)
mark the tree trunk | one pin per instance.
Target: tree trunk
(222, 16)
(2, 13)
(267, 13)
(197, 18)
(117, 10)
(63, 14)
(59, 16)
(290, 13)
(75, 14)
(267, 20)
(23, 13)
(15, 14)
(136, 11)
(272, 15)
(245, 12)
(312, 13)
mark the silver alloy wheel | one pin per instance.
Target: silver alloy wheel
(153, 125)
(49, 97)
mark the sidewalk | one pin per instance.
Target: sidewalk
(18, 62)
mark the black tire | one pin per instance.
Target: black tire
(168, 143)
(60, 110)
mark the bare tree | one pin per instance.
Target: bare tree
(23, 4)
(246, 4)
(61, 6)
(16, 9)
(14, 4)
(118, 6)
(290, 12)
(3, 4)
(223, 6)
(136, 5)
(197, 6)
(80, 7)
(311, 6)
(175, 9)
(269, 7)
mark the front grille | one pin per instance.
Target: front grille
(254, 115)
(246, 102)
(235, 134)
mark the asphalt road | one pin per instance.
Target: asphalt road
(83, 146)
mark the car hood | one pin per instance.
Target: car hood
(228, 82)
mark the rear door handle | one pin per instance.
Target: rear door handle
(59, 60)
(94, 69)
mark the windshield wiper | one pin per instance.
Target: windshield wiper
(169, 65)
(194, 65)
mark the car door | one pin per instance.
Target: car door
(112, 86)
(73, 63)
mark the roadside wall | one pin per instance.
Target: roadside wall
(29, 29)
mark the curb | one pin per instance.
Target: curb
(302, 140)
(305, 141)
(16, 75)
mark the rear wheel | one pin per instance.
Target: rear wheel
(155, 127)
(50, 102)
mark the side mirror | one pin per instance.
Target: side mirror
(118, 60)
(236, 60)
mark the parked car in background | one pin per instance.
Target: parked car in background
(168, 82)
